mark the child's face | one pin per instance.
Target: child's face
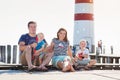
(83, 44)
(41, 36)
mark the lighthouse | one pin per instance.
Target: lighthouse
(84, 23)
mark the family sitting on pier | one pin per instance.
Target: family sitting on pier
(36, 53)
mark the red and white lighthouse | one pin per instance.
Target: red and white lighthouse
(83, 24)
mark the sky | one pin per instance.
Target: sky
(51, 15)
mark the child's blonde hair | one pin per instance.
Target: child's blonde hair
(83, 40)
(40, 36)
(40, 33)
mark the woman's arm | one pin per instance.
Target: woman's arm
(70, 52)
(76, 58)
(50, 48)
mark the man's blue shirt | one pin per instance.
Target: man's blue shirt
(27, 39)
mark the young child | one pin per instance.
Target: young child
(40, 47)
(82, 56)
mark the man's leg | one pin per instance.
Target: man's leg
(23, 59)
(29, 57)
(46, 61)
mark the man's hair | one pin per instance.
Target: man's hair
(31, 22)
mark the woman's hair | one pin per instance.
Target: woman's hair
(62, 29)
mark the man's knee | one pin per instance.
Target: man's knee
(28, 50)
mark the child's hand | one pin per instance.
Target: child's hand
(36, 54)
(33, 45)
(80, 56)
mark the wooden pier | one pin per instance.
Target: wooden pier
(9, 56)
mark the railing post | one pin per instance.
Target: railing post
(97, 54)
(101, 60)
(14, 54)
(108, 59)
(119, 60)
(105, 60)
(11, 54)
(2, 53)
(113, 60)
(8, 53)
(18, 55)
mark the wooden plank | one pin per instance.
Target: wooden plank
(8, 65)
(106, 64)
(105, 55)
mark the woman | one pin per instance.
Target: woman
(62, 53)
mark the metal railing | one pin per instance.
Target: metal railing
(9, 54)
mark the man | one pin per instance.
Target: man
(100, 45)
(27, 44)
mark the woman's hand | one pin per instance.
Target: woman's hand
(49, 49)
(73, 60)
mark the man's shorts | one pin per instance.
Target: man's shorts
(23, 60)
(56, 59)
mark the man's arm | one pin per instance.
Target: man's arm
(22, 46)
